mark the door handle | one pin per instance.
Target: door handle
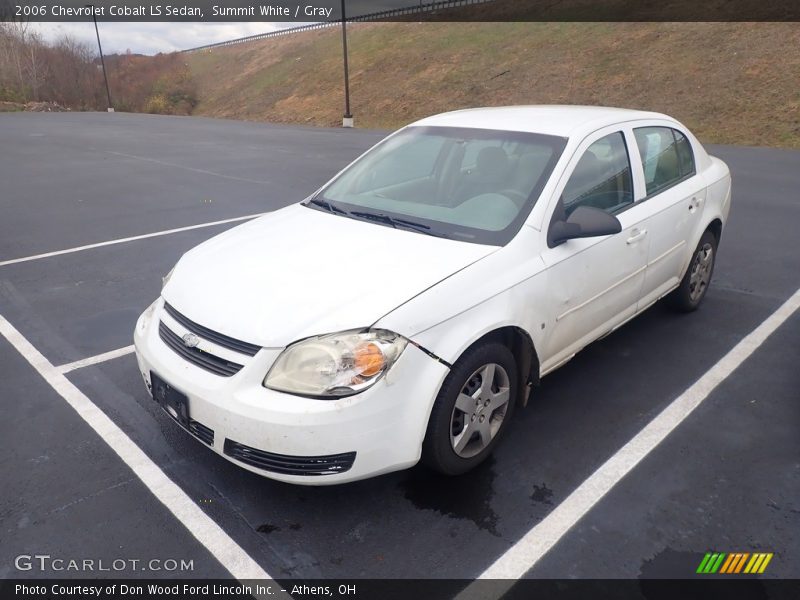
(637, 235)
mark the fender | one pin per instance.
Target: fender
(498, 291)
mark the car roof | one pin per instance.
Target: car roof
(560, 120)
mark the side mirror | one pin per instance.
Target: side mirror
(585, 221)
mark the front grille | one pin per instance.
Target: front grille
(201, 432)
(204, 360)
(290, 465)
(212, 336)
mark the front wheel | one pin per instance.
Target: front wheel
(472, 409)
(694, 285)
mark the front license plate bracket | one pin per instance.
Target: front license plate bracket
(174, 403)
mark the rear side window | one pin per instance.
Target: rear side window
(666, 157)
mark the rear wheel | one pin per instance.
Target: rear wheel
(694, 285)
(472, 410)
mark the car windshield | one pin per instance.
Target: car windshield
(475, 185)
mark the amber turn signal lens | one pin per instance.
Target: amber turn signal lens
(369, 360)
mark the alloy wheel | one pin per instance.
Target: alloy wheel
(700, 274)
(479, 411)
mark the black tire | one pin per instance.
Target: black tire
(438, 450)
(687, 297)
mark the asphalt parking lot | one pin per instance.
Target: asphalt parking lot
(726, 479)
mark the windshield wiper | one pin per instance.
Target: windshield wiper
(326, 205)
(393, 221)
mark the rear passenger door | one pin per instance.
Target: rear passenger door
(675, 196)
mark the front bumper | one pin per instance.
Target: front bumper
(384, 426)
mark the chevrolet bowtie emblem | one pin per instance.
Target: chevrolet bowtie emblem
(190, 340)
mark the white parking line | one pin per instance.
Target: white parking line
(93, 360)
(127, 239)
(539, 540)
(200, 525)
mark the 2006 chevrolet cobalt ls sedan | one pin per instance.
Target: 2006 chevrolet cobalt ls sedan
(407, 307)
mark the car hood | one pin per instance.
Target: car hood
(299, 272)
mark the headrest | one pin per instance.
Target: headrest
(492, 160)
(528, 170)
(589, 164)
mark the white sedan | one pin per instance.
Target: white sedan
(408, 306)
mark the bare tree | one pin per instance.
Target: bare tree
(32, 67)
(68, 72)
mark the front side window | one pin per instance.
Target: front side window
(602, 178)
(475, 185)
(666, 157)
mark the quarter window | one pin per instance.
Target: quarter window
(666, 157)
(602, 177)
(685, 154)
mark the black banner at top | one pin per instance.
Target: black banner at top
(306, 11)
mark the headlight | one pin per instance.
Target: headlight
(335, 365)
(165, 279)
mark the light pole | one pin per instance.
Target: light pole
(102, 60)
(347, 120)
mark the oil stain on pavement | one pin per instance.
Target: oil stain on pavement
(465, 497)
(542, 494)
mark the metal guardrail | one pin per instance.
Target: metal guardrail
(376, 16)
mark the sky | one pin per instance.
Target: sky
(151, 38)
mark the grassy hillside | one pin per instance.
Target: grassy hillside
(736, 83)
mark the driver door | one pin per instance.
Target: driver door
(594, 284)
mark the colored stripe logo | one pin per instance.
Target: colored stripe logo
(734, 562)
